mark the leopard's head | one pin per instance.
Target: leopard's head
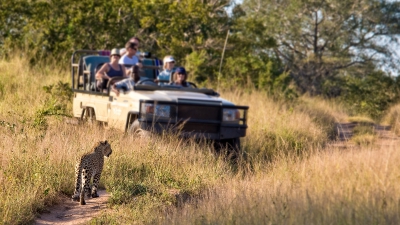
(105, 148)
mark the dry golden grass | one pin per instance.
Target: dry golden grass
(288, 177)
(392, 118)
(333, 187)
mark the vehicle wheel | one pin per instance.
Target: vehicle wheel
(231, 147)
(88, 116)
(135, 129)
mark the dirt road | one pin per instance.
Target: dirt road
(70, 213)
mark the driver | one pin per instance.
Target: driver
(128, 83)
(109, 70)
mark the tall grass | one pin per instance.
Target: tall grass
(166, 179)
(392, 118)
(335, 187)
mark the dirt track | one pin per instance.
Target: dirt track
(385, 137)
(69, 212)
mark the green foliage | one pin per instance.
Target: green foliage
(196, 63)
(264, 74)
(370, 95)
(55, 105)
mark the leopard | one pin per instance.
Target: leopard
(90, 166)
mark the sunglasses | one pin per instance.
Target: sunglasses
(181, 74)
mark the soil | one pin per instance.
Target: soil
(69, 212)
(385, 136)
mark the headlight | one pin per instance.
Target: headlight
(162, 111)
(229, 115)
(158, 111)
(147, 108)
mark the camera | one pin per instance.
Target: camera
(145, 54)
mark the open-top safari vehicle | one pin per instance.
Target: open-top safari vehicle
(193, 112)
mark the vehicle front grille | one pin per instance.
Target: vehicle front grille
(200, 127)
(198, 112)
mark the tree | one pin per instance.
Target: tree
(317, 39)
(13, 15)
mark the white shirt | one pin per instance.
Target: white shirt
(125, 60)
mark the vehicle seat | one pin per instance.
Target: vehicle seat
(91, 63)
(149, 73)
(98, 67)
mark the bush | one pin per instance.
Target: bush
(370, 95)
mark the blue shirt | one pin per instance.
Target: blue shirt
(125, 84)
(165, 75)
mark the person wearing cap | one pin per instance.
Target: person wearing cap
(180, 77)
(169, 68)
(128, 83)
(109, 70)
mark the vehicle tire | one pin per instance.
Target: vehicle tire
(231, 148)
(89, 116)
(135, 129)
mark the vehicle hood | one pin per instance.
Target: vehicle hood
(174, 96)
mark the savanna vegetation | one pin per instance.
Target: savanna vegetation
(301, 66)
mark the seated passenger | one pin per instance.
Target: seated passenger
(135, 40)
(130, 58)
(109, 70)
(180, 77)
(128, 83)
(169, 68)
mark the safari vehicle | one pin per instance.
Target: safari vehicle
(191, 111)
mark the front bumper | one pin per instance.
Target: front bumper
(193, 118)
(196, 130)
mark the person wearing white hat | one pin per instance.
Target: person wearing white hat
(169, 68)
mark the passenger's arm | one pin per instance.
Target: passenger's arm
(102, 72)
(124, 71)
